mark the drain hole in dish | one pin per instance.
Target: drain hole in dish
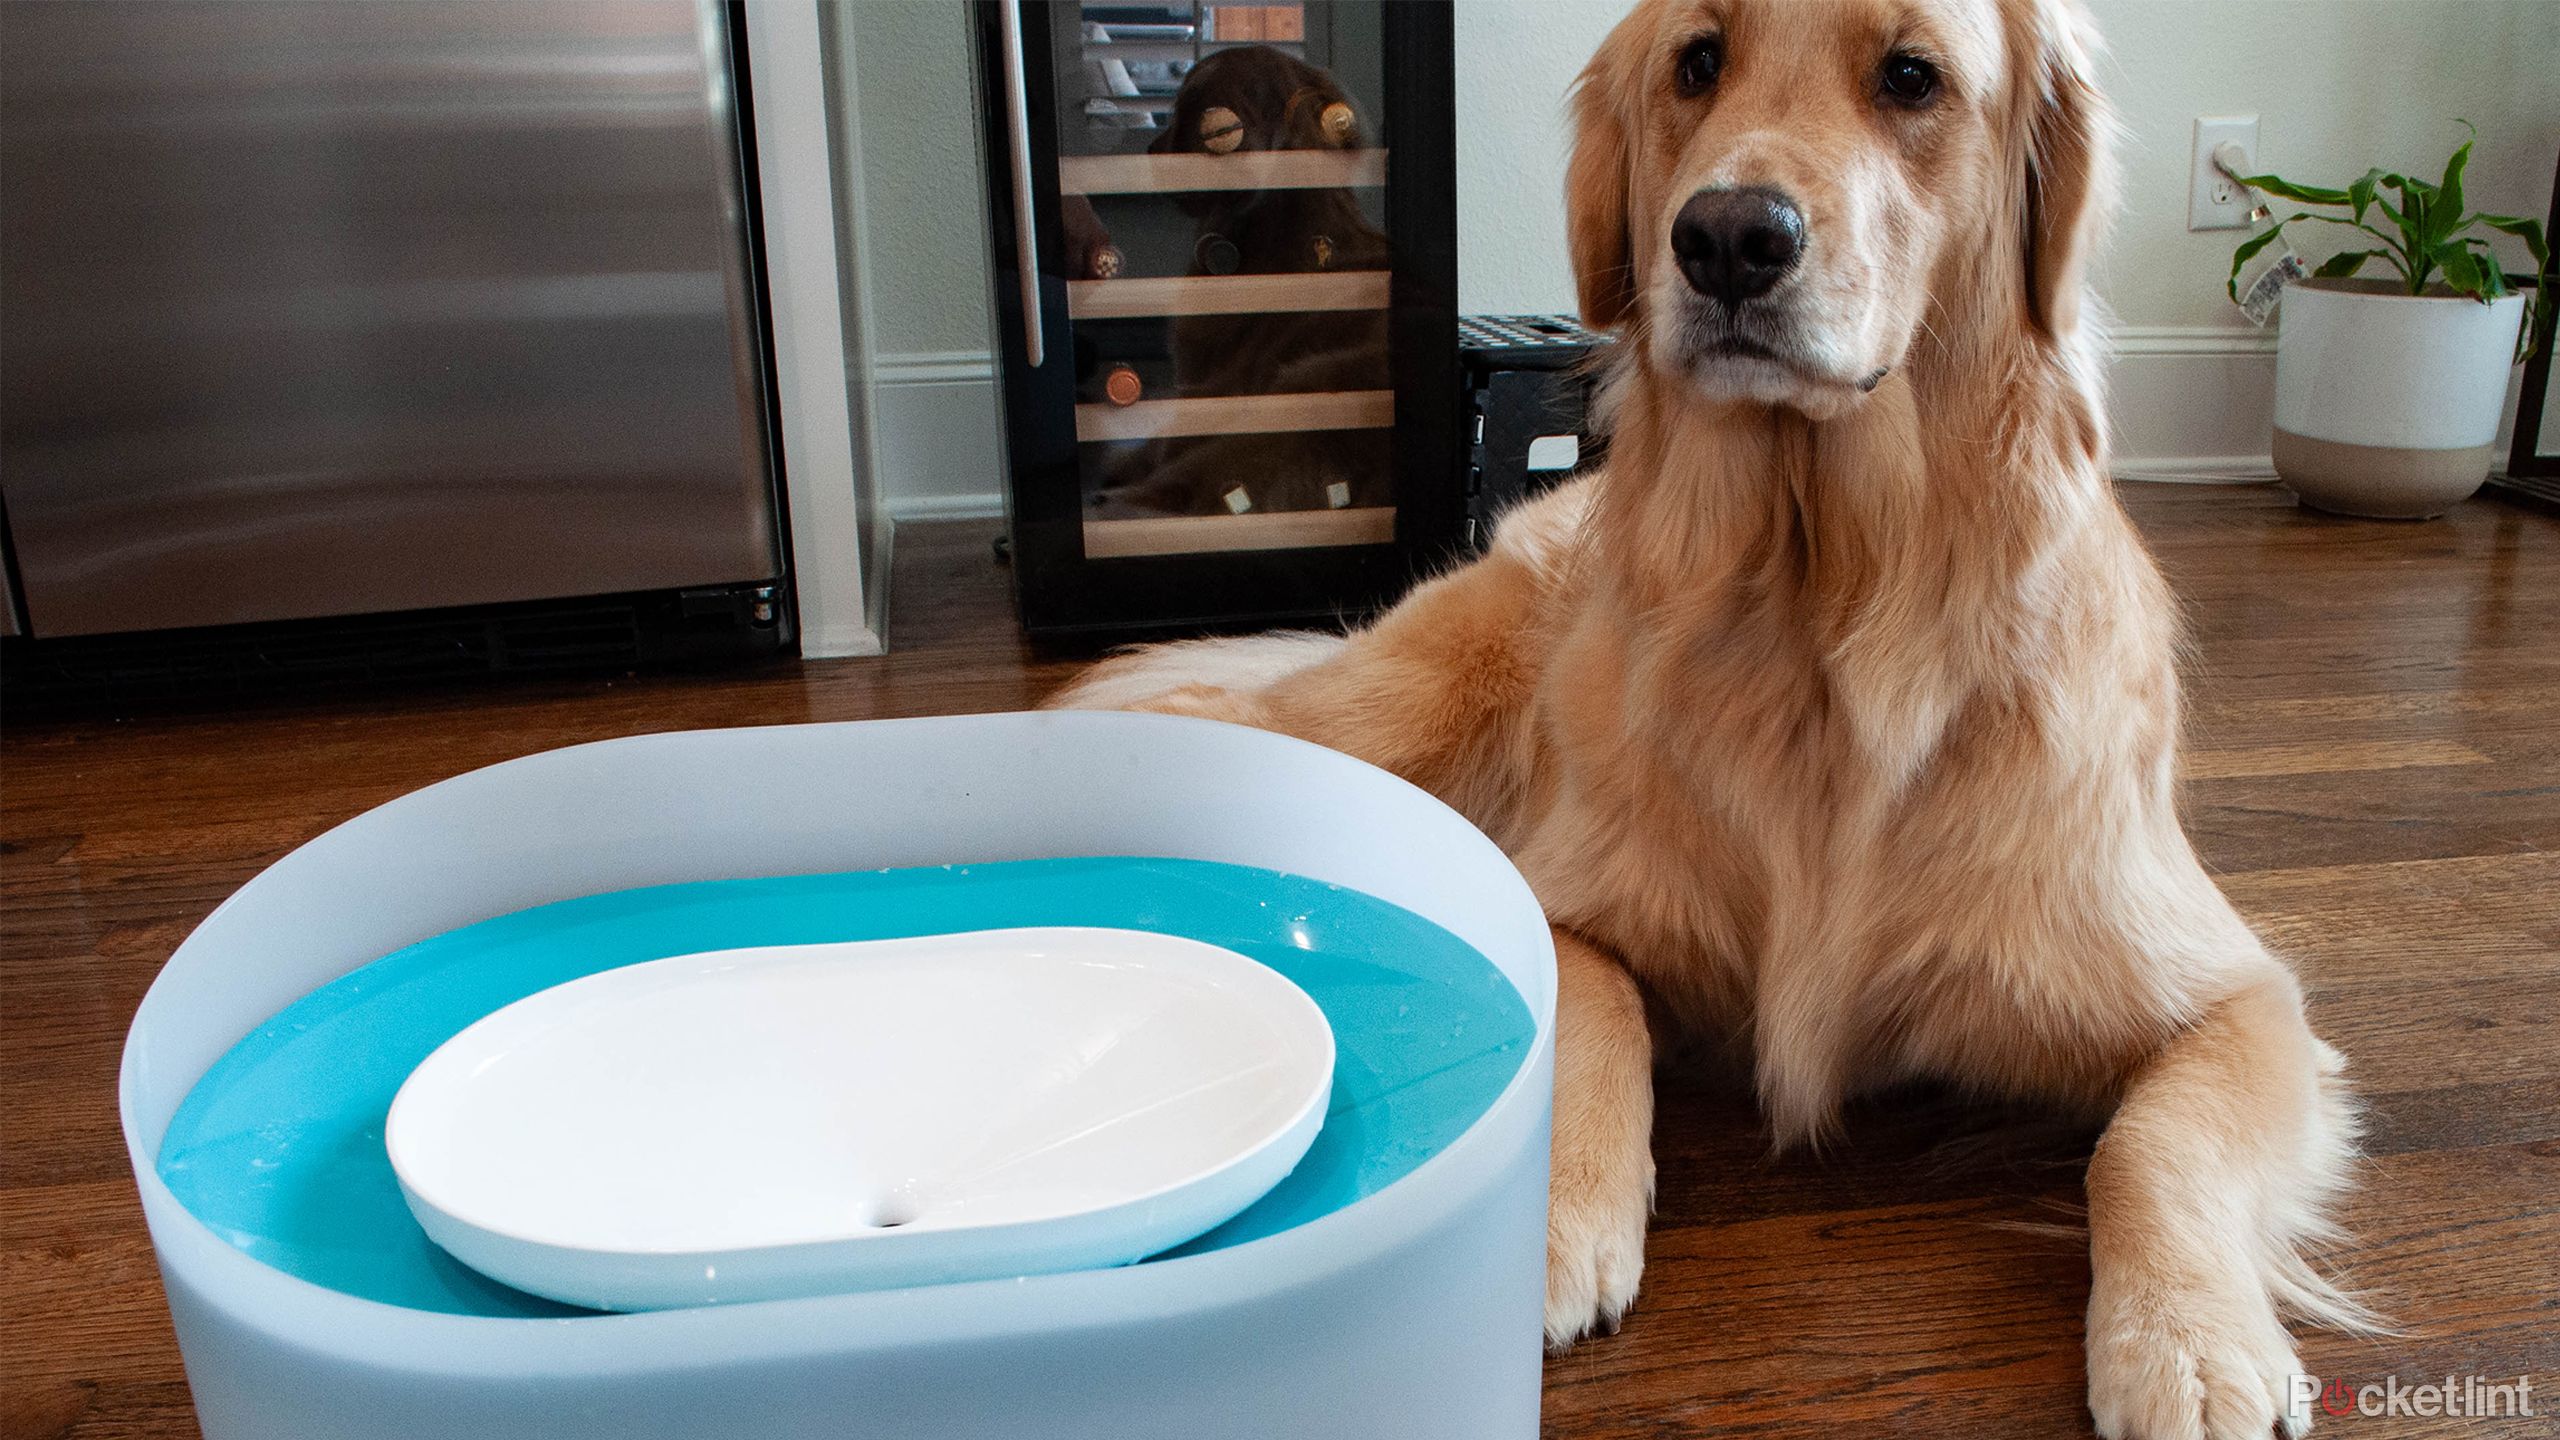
(888, 1212)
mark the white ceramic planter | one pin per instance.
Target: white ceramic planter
(2387, 403)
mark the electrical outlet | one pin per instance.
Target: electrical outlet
(2215, 201)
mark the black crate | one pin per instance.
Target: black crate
(1529, 410)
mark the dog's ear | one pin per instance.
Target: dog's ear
(1595, 189)
(2068, 170)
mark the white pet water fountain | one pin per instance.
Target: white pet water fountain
(1011, 1076)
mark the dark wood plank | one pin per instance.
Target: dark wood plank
(2376, 735)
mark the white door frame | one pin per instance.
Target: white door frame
(820, 379)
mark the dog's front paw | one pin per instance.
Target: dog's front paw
(2209, 1362)
(1595, 1255)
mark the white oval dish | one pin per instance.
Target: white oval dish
(809, 1119)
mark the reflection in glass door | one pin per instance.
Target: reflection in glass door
(1242, 288)
(1222, 197)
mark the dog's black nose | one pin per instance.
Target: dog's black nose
(1733, 244)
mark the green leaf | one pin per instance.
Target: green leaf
(2535, 305)
(2461, 272)
(2299, 194)
(2444, 210)
(2344, 263)
(2414, 192)
(2360, 194)
(2493, 272)
(2529, 231)
(2417, 200)
(2252, 246)
(2341, 220)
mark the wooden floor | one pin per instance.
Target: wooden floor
(2376, 772)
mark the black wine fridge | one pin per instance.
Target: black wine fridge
(1223, 242)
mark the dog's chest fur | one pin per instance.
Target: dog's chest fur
(1828, 801)
(1716, 807)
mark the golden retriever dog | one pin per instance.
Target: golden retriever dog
(1837, 716)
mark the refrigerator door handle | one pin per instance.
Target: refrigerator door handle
(1025, 242)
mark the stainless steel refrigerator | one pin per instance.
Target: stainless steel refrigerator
(326, 309)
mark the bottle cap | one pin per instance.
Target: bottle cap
(1220, 130)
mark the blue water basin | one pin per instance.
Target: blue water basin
(279, 1147)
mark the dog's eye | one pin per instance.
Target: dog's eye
(1700, 64)
(1908, 79)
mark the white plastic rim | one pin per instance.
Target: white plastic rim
(2357, 364)
(805, 1119)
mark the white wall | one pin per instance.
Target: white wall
(925, 215)
(2337, 84)
(921, 208)
(1516, 59)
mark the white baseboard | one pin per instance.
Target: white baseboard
(2192, 402)
(2187, 402)
(2195, 469)
(2191, 340)
(934, 367)
(941, 434)
(946, 507)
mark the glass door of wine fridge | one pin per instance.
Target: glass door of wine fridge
(1225, 276)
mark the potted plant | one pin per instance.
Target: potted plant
(2388, 389)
